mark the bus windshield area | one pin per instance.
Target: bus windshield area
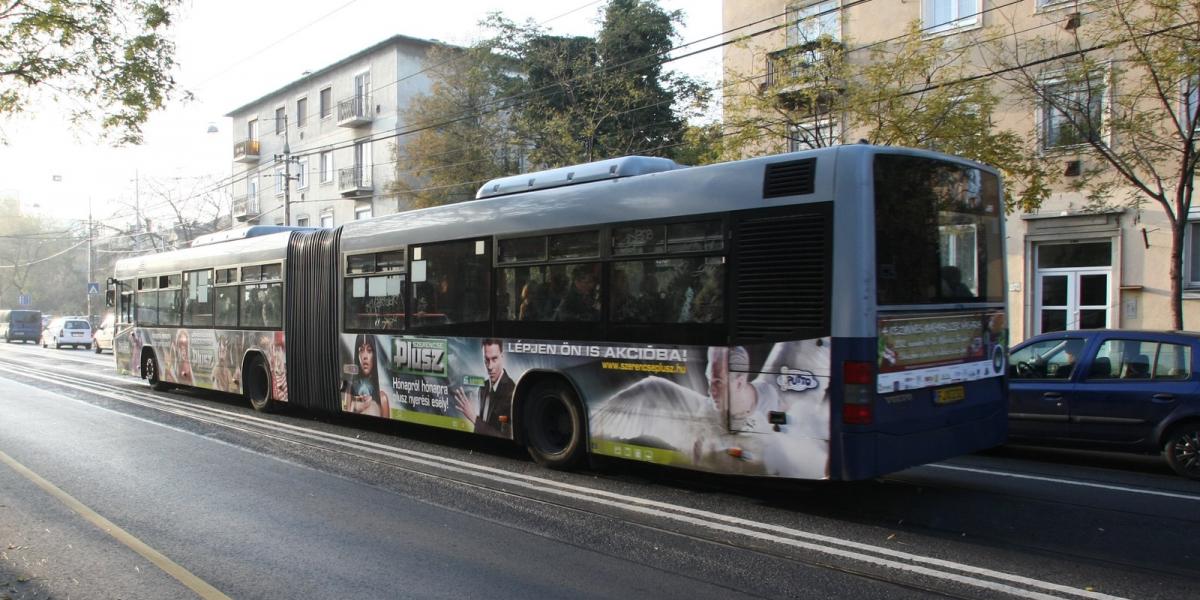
(937, 232)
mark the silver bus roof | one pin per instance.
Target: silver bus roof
(613, 168)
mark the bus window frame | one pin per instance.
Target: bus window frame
(604, 328)
(346, 277)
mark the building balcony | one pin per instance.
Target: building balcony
(245, 208)
(353, 181)
(354, 111)
(800, 66)
(246, 151)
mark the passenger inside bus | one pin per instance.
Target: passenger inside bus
(581, 302)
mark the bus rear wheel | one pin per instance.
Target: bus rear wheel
(256, 381)
(152, 374)
(554, 425)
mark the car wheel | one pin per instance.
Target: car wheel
(151, 373)
(1182, 450)
(554, 425)
(98, 349)
(57, 344)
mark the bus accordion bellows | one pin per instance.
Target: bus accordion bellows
(836, 313)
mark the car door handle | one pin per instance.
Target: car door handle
(1051, 396)
(1164, 397)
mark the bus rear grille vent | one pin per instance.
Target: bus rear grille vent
(782, 280)
(791, 178)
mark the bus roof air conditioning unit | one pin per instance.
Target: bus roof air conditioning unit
(613, 168)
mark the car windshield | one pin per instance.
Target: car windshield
(77, 325)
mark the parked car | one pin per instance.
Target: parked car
(68, 331)
(102, 337)
(1135, 391)
(22, 325)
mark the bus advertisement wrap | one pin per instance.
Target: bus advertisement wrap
(695, 407)
(925, 351)
(205, 358)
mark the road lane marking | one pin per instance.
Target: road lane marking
(168, 566)
(978, 577)
(1105, 486)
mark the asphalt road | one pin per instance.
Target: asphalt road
(108, 490)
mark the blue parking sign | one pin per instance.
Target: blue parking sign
(24, 299)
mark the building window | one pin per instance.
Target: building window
(326, 102)
(252, 130)
(279, 179)
(327, 219)
(280, 120)
(301, 221)
(1072, 112)
(302, 173)
(947, 15)
(809, 21)
(362, 213)
(818, 133)
(327, 167)
(1191, 103)
(301, 112)
(1191, 259)
(252, 189)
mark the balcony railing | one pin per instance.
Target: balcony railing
(354, 111)
(246, 151)
(245, 208)
(790, 64)
(353, 180)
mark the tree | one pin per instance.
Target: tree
(911, 91)
(110, 59)
(527, 99)
(463, 135)
(1141, 139)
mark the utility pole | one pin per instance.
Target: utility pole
(91, 233)
(287, 174)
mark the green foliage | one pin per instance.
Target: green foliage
(525, 99)
(110, 60)
(43, 259)
(912, 91)
(1131, 64)
(464, 135)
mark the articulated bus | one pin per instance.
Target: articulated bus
(829, 314)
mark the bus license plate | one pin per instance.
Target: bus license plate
(950, 395)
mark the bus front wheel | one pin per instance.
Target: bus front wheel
(152, 374)
(554, 425)
(256, 381)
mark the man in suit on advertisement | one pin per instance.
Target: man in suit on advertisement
(495, 398)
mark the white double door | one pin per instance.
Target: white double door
(1073, 298)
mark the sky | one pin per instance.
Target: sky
(233, 52)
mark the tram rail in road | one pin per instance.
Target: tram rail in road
(869, 559)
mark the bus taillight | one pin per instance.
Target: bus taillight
(858, 391)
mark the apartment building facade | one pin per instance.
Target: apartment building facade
(1069, 265)
(338, 127)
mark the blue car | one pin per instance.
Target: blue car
(1112, 389)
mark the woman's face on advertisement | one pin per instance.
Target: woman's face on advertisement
(366, 358)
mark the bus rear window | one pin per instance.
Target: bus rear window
(937, 232)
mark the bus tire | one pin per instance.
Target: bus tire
(152, 373)
(256, 383)
(554, 425)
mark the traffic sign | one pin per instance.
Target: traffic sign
(93, 288)
(24, 299)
